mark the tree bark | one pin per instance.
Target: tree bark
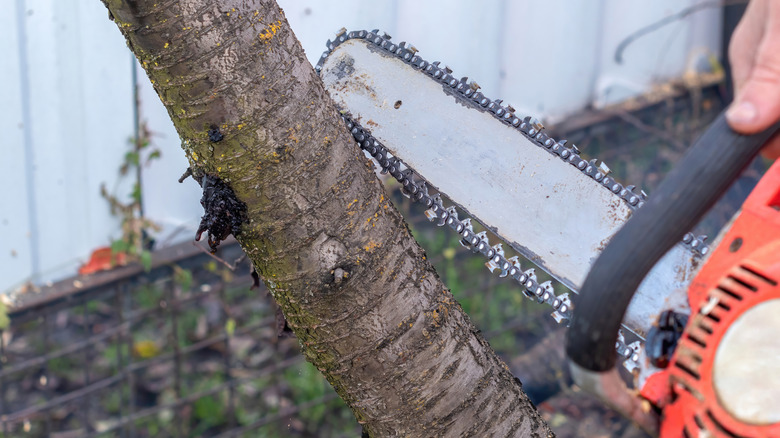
(368, 309)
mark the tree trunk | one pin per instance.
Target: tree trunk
(368, 309)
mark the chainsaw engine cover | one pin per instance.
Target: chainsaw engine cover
(725, 374)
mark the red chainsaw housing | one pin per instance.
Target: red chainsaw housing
(742, 272)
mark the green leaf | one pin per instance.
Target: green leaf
(155, 154)
(4, 320)
(182, 277)
(118, 246)
(146, 260)
(136, 193)
(132, 158)
(230, 326)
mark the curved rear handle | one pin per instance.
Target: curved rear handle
(684, 196)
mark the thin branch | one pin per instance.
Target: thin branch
(205, 251)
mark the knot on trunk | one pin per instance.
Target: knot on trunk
(224, 213)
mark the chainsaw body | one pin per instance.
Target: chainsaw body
(724, 377)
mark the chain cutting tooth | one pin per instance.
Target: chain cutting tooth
(515, 270)
(543, 139)
(577, 161)
(484, 247)
(562, 306)
(528, 280)
(409, 186)
(530, 285)
(510, 267)
(436, 208)
(473, 88)
(480, 99)
(495, 105)
(463, 85)
(469, 238)
(482, 244)
(496, 258)
(443, 218)
(535, 126)
(547, 292)
(697, 244)
(621, 347)
(452, 218)
(419, 62)
(422, 196)
(406, 51)
(629, 352)
(632, 363)
(630, 195)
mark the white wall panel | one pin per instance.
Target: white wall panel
(314, 22)
(16, 255)
(548, 55)
(466, 36)
(653, 58)
(78, 91)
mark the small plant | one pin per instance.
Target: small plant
(135, 241)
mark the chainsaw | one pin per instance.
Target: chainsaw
(693, 326)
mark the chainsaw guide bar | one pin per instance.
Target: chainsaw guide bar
(537, 194)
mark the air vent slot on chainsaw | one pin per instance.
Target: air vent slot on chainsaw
(692, 368)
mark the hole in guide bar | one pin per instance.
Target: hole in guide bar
(397, 104)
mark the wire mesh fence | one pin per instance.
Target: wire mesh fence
(186, 349)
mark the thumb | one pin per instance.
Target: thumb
(757, 104)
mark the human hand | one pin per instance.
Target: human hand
(754, 54)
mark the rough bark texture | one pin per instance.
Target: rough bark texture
(368, 309)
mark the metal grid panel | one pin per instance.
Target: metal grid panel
(184, 350)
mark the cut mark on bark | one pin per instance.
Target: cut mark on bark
(224, 213)
(338, 277)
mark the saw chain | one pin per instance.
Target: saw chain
(416, 188)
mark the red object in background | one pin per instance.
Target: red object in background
(741, 274)
(102, 259)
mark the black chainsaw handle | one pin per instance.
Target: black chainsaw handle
(684, 196)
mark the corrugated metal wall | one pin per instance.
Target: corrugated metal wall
(67, 107)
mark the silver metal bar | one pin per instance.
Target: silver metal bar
(545, 207)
